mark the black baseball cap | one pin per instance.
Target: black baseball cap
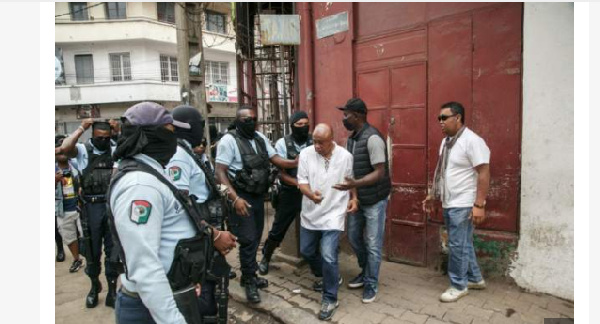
(355, 105)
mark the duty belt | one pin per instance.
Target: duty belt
(130, 293)
(95, 198)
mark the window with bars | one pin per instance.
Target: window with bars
(120, 67)
(116, 10)
(84, 69)
(168, 68)
(216, 22)
(165, 12)
(217, 72)
(78, 11)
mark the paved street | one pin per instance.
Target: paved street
(71, 289)
(407, 295)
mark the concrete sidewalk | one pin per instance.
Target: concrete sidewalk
(407, 294)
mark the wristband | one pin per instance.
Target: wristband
(236, 199)
(82, 129)
(216, 238)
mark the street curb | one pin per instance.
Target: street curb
(273, 305)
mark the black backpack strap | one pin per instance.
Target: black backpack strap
(210, 178)
(90, 156)
(243, 144)
(289, 147)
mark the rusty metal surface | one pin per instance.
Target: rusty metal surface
(450, 65)
(496, 109)
(333, 73)
(405, 60)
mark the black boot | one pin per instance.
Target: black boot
(249, 283)
(60, 255)
(261, 283)
(92, 298)
(268, 249)
(111, 296)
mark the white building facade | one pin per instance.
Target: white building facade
(116, 54)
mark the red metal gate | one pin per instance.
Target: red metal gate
(405, 60)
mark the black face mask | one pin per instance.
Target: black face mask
(300, 134)
(162, 144)
(194, 135)
(101, 143)
(349, 126)
(246, 128)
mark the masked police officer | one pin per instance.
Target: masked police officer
(242, 164)
(95, 164)
(290, 197)
(151, 223)
(190, 173)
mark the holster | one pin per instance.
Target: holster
(187, 303)
(190, 261)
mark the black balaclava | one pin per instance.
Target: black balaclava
(193, 135)
(246, 128)
(300, 134)
(190, 115)
(157, 142)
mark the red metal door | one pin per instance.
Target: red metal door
(392, 80)
(405, 60)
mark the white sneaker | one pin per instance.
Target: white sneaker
(452, 294)
(476, 285)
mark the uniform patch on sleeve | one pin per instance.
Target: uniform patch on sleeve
(140, 211)
(175, 173)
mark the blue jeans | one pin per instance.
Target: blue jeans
(462, 262)
(366, 228)
(129, 310)
(325, 265)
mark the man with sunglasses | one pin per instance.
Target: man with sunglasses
(242, 164)
(461, 182)
(95, 164)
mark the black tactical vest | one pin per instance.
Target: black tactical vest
(357, 146)
(254, 176)
(292, 153)
(96, 176)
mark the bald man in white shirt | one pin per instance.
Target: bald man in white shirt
(324, 210)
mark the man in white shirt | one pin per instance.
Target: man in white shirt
(461, 182)
(324, 209)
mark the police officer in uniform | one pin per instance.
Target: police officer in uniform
(290, 197)
(190, 173)
(95, 164)
(242, 164)
(150, 221)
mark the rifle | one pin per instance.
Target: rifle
(217, 207)
(86, 235)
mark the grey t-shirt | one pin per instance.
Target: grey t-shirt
(376, 147)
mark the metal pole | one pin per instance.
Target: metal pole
(285, 106)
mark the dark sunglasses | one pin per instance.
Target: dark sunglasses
(247, 119)
(444, 117)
